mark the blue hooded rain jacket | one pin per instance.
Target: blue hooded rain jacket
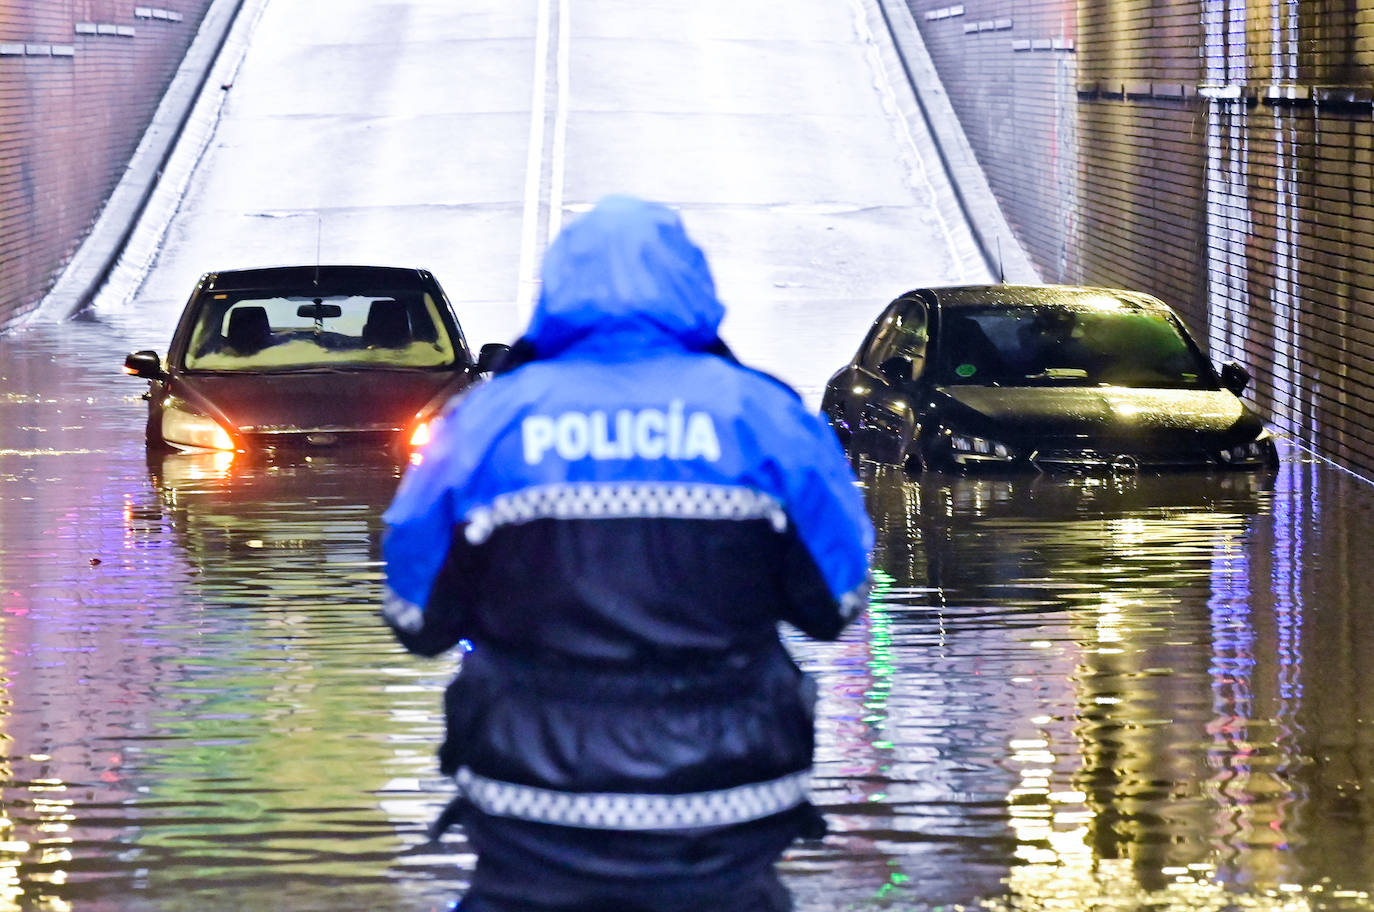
(616, 523)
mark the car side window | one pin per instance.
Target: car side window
(901, 333)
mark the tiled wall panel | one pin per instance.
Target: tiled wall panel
(79, 82)
(1216, 153)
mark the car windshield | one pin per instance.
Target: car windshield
(1067, 345)
(260, 330)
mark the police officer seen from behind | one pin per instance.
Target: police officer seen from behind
(617, 522)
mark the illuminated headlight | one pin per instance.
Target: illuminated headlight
(189, 429)
(422, 433)
(967, 445)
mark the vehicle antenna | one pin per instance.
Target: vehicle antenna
(319, 230)
(1001, 267)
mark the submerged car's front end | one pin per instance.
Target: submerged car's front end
(326, 409)
(292, 413)
(1095, 429)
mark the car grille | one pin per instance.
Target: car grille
(1091, 460)
(321, 439)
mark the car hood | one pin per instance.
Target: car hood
(335, 400)
(1045, 413)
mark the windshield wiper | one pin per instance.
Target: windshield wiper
(1059, 373)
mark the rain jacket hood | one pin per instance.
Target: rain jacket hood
(625, 276)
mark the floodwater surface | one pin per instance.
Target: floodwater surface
(1068, 694)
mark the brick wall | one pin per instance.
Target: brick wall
(79, 82)
(1215, 153)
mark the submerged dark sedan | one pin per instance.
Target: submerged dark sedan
(308, 357)
(1041, 377)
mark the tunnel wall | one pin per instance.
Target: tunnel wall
(1215, 153)
(79, 83)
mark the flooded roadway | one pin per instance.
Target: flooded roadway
(1067, 695)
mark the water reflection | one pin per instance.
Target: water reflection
(1094, 693)
(317, 745)
(1099, 698)
(201, 708)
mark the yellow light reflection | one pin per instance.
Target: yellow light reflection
(1059, 830)
(53, 814)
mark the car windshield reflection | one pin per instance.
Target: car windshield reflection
(1037, 345)
(256, 331)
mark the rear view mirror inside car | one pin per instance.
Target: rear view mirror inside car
(319, 311)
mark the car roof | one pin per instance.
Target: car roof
(360, 280)
(956, 297)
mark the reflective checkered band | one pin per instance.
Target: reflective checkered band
(619, 811)
(401, 614)
(623, 500)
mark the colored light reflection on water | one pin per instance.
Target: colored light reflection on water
(1094, 693)
(1100, 685)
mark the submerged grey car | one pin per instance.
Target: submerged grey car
(1041, 377)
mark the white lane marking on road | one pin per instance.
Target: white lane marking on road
(560, 122)
(534, 166)
(544, 162)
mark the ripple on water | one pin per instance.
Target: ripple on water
(1084, 694)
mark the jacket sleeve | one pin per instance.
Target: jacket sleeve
(423, 546)
(439, 624)
(830, 537)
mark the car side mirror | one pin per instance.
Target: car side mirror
(491, 356)
(145, 364)
(1234, 376)
(897, 369)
